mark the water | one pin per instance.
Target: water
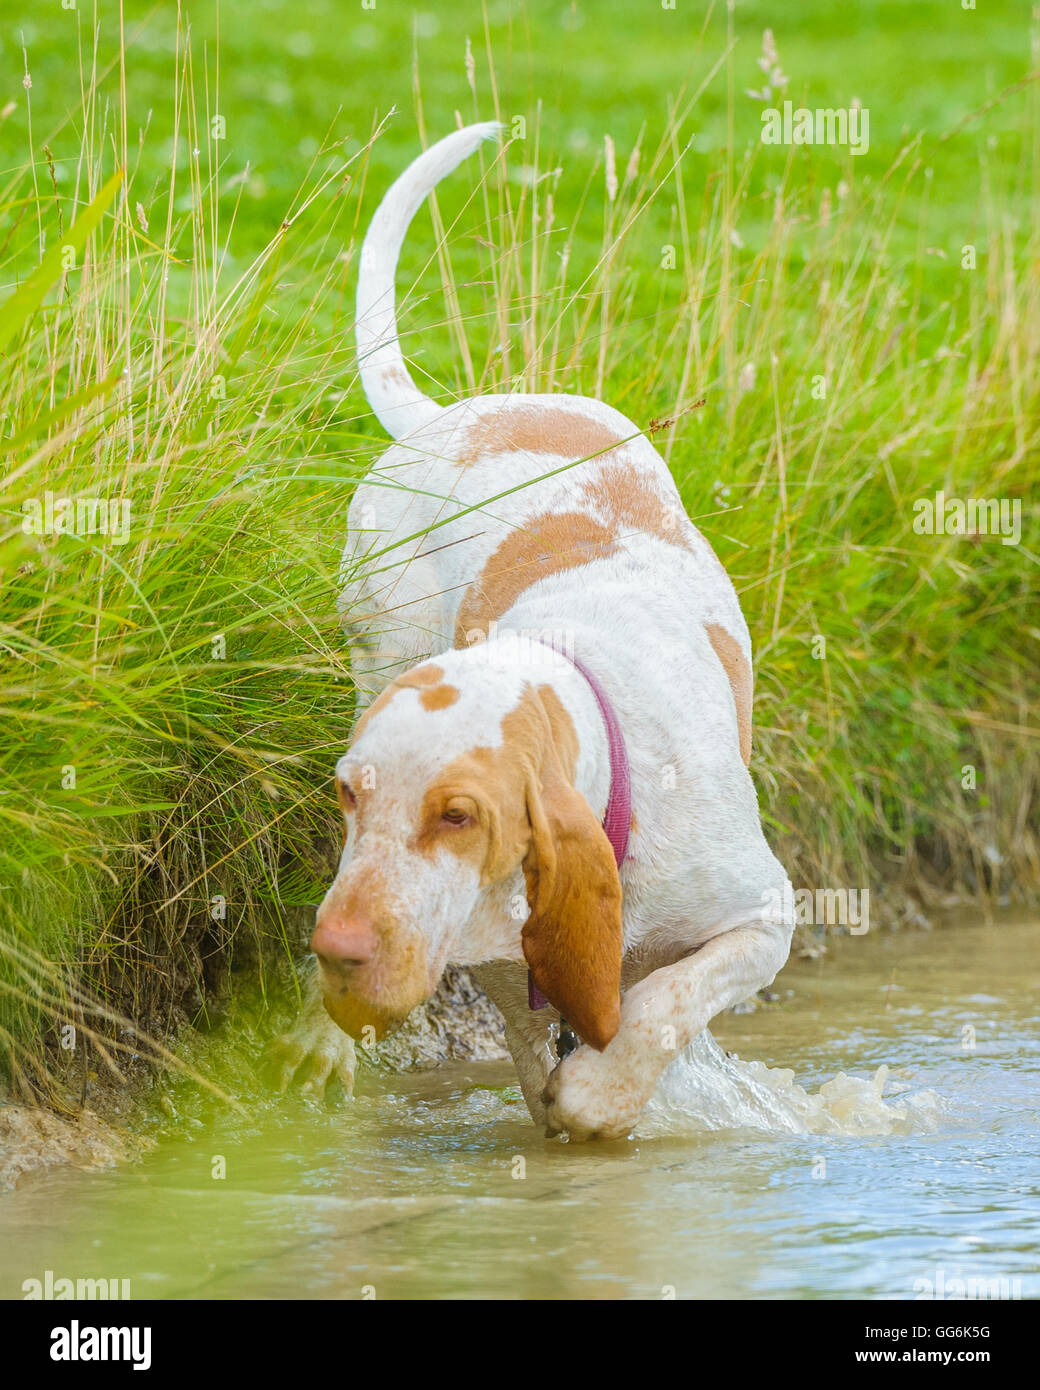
(743, 1181)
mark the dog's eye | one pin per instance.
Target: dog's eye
(455, 815)
(347, 799)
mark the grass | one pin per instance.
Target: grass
(811, 357)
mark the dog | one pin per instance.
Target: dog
(548, 782)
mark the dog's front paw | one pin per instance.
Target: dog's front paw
(587, 1097)
(311, 1054)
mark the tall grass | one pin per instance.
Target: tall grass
(173, 705)
(172, 702)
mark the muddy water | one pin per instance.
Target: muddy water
(877, 1135)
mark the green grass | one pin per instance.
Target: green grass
(196, 361)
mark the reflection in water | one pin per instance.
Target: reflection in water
(904, 1157)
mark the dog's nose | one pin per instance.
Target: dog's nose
(342, 942)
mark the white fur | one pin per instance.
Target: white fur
(699, 934)
(399, 404)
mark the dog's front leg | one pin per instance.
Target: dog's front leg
(315, 1049)
(600, 1095)
(528, 1033)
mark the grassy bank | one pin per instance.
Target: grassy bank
(803, 330)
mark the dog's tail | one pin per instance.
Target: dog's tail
(392, 394)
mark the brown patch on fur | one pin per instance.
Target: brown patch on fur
(633, 825)
(561, 727)
(738, 672)
(631, 503)
(553, 542)
(467, 782)
(394, 375)
(572, 937)
(411, 680)
(438, 696)
(536, 429)
(527, 813)
(547, 544)
(354, 1016)
(420, 676)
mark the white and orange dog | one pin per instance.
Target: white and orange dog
(549, 783)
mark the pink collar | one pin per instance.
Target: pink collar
(617, 819)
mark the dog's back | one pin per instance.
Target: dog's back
(485, 501)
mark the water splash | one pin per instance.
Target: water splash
(706, 1089)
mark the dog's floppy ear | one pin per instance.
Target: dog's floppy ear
(572, 937)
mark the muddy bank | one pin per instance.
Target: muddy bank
(33, 1139)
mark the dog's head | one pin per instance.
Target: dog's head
(460, 780)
